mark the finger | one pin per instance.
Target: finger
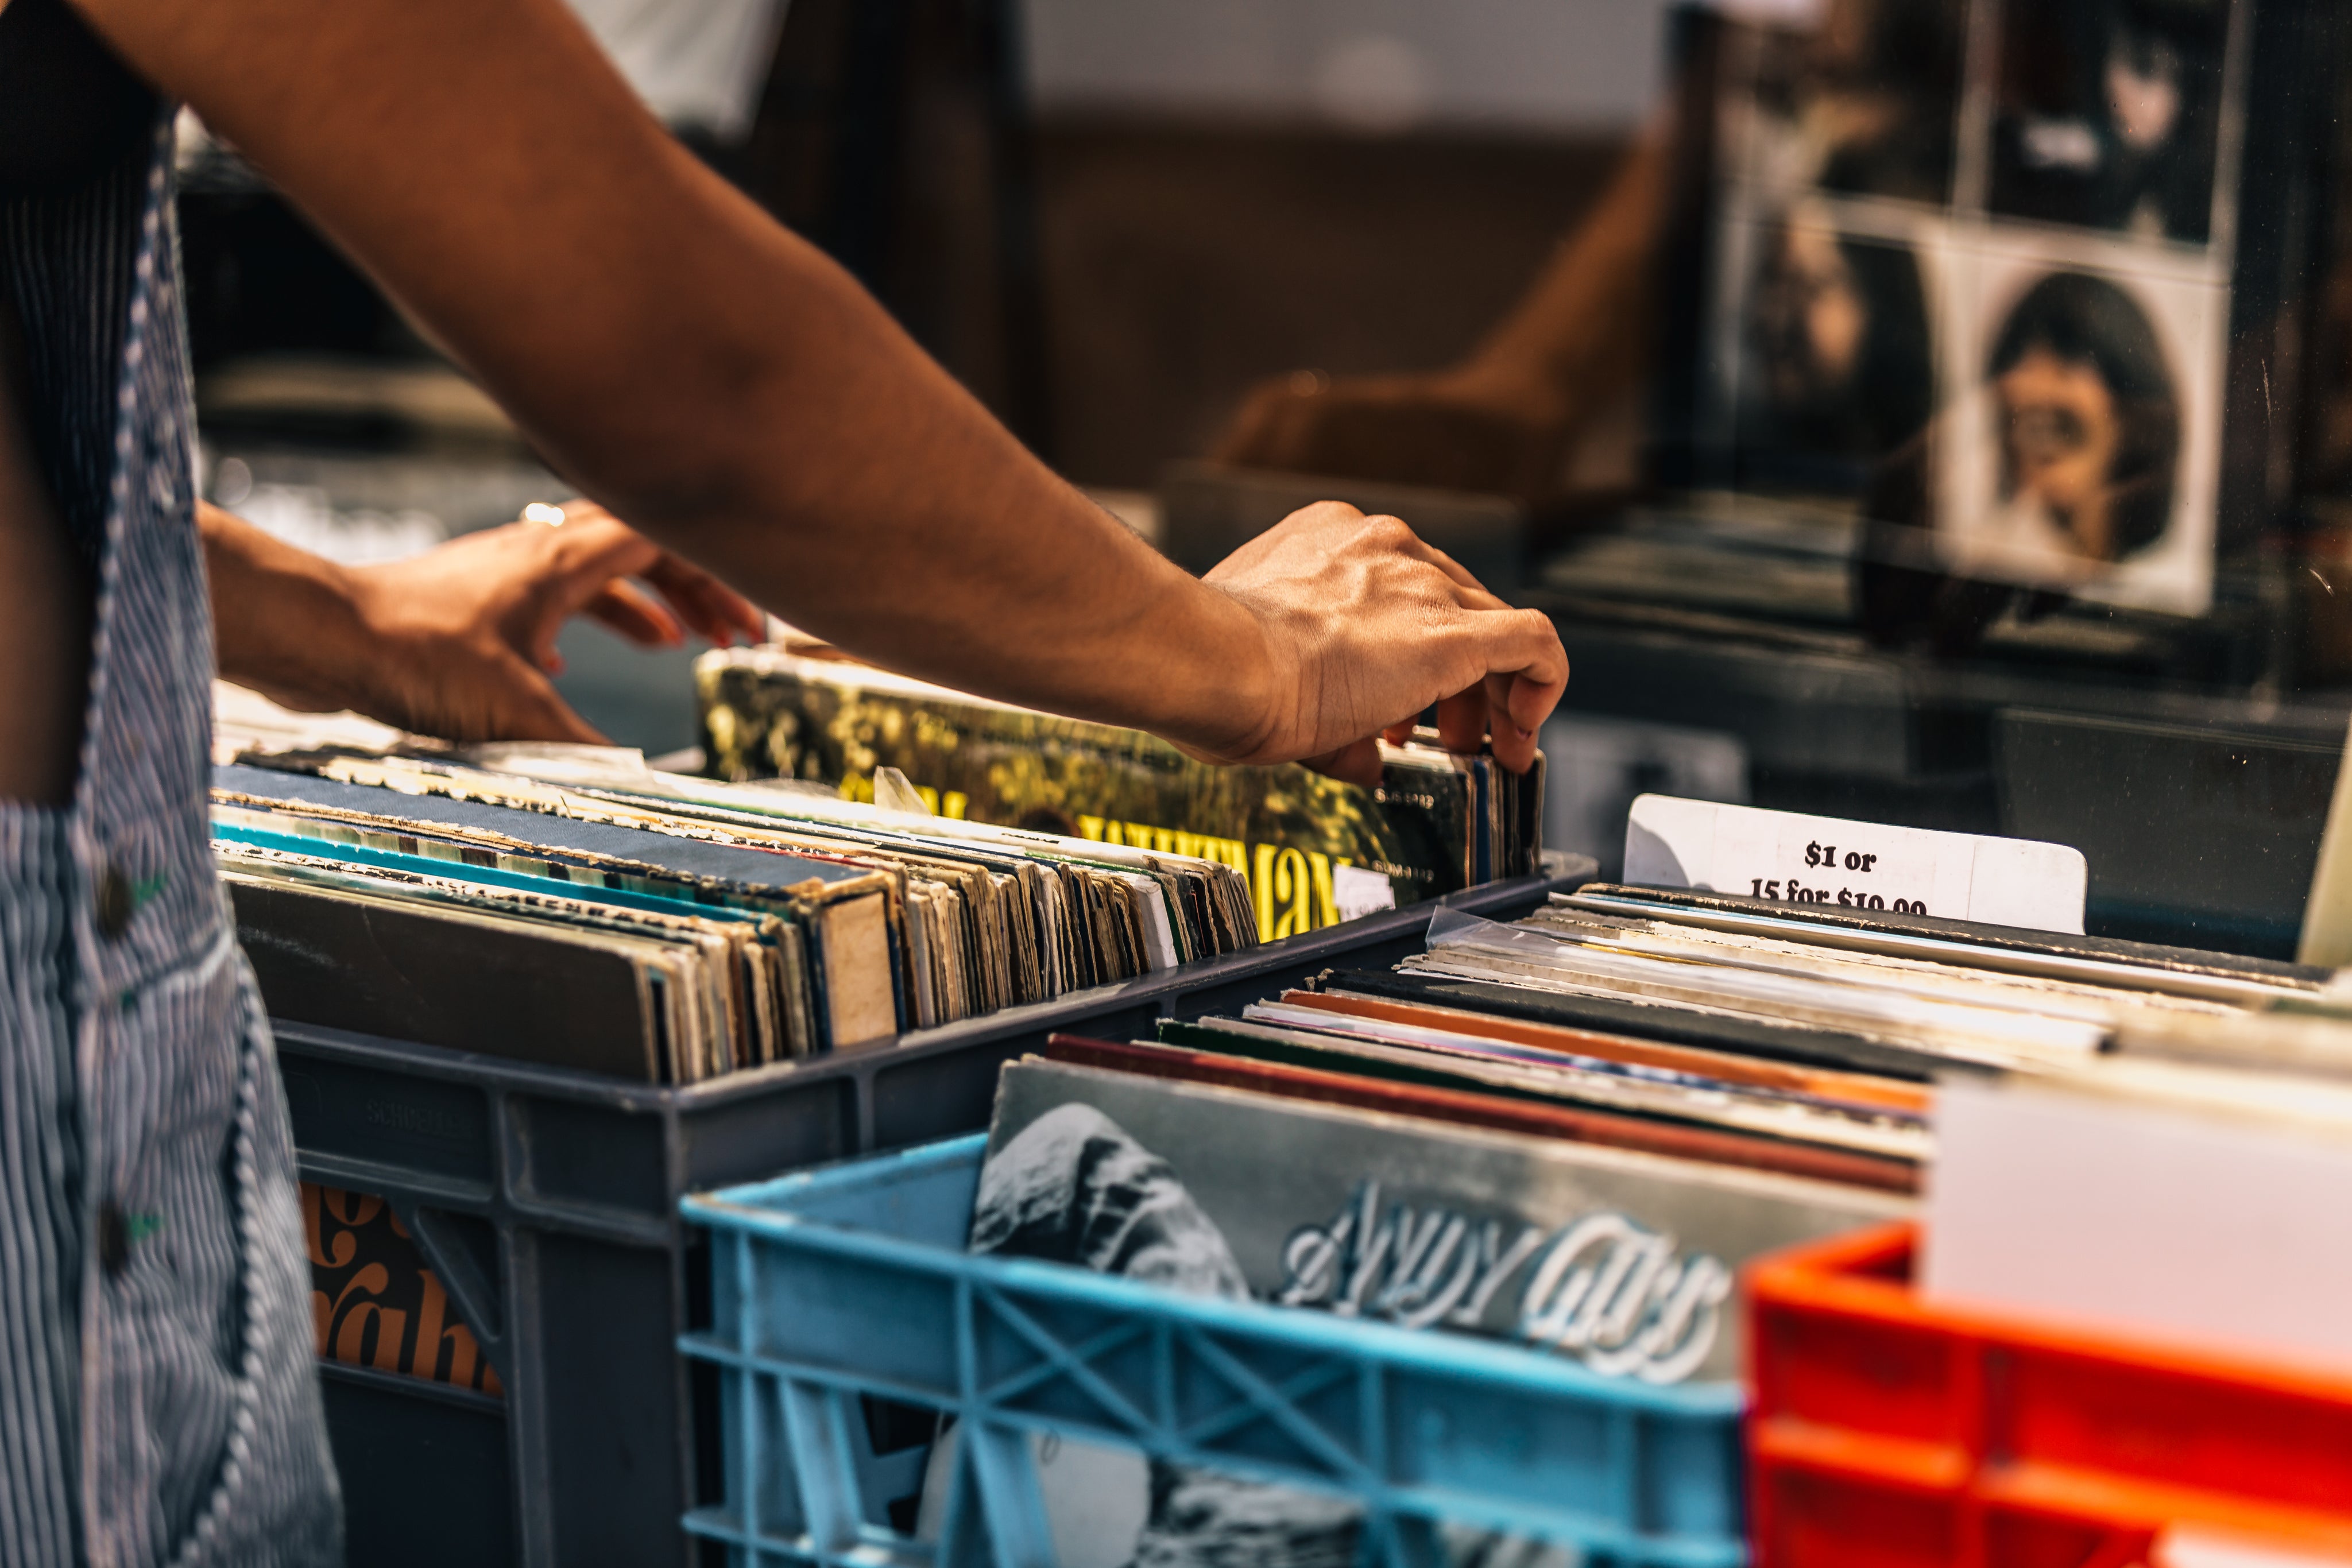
(1531, 703)
(1468, 592)
(705, 603)
(1519, 643)
(634, 613)
(729, 616)
(1537, 685)
(524, 706)
(591, 552)
(1462, 720)
(1401, 733)
(1514, 743)
(594, 550)
(570, 568)
(1358, 762)
(1527, 674)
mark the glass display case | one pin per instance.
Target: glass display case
(1992, 441)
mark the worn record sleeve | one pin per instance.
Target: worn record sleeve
(1992, 1031)
(482, 982)
(2013, 947)
(1463, 1065)
(1850, 1090)
(692, 858)
(858, 965)
(1290, 832)
(1623, 1261)
(1468, 1107)
(1797, 1043)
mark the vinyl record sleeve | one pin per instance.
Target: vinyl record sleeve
(528, 990)
(1777, 1042)
(1302, 839)
(1852, 1090)
(1686, 1104)
(1393, 1218)
(1494, 1112)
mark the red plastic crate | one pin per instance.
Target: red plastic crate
(1890, 1431)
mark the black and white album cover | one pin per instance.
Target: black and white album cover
(1970, 273)
(1221, 1192)
(1624, 1262)
(2081, 445)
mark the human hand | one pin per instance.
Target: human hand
(1364, 626)
(461, 642)
(1453, 429)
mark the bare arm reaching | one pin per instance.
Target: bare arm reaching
(717, 382)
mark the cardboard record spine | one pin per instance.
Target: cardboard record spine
(548, 996)
(1809, 1046)
(1857, 1091)
(1493, 1111)
(2159, 963)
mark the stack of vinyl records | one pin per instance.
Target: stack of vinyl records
(573, 907)
(1572, 1130)
(1315, 850)
(1571, 1133)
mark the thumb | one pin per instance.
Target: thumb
(1358, 762)
(528, 707)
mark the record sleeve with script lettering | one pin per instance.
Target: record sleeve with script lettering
(375, 1303)
(1394, 1219)
(1623, 1261)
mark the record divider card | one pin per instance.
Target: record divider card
(1745, 850)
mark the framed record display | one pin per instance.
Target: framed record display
(1970, 275)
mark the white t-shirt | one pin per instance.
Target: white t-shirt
(699, 64)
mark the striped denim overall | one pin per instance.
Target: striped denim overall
(158, 1403)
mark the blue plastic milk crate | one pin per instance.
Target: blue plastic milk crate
(842, 1296)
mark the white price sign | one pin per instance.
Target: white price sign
(1701, 844)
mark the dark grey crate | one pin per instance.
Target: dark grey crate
(547, 1202)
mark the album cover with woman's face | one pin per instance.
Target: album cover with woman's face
(1863, 103)
(1970, 282)
(2080, 451)
(1835, 353)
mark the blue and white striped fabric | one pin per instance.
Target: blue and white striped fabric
(158, 1401)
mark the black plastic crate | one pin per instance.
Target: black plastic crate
(546, 1201)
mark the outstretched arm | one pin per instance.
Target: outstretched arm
(686, 362)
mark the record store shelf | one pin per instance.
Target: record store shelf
(546, 1201)
(844, 1293)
